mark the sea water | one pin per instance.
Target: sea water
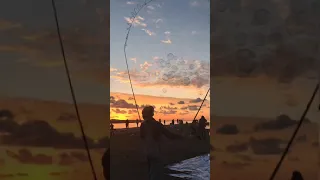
(197, 168)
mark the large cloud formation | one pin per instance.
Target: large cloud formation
(170, 71)
(279, 39)
(38, 133)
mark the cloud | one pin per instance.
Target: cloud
(228, 129)
(180, 102)
(150, 33)
(145, 66)
(168, 111)
(113, 69)
(8, 25)
(24, 156)
(167, 33)
(150, 7)
(196, 100)
(244, 157)
(235, 165)
(121, 103)
(167, 107)
(130, 2)
(194, 32)
(67, 117)
(173, 72)
(118, 111)
(41, 134)
(134, 59)
(156, 58)
(184, 108)
(282, 122)
(237, 148)
(167, 41)
(194, 3)
(267, 146)
(193, 108)
(138, 21)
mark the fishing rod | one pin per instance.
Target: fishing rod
(302, 119)
(72, 89)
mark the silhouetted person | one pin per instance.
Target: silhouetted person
(202, 127)
(164, 122)
(160, 121)
(296, 175)
(106, 164)
(112, 128)
(137, 121)
(151, 132)
(177, 121)
(127, 123)
(172, 122)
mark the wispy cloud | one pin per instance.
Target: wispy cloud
(155, 57)
(138, 21)
(145, 66)
(168, 39)
(194, 32)
(194, 3)
(130, 3)
(113, 69)
(6, 25)
(150, 33)
(134, 59)
(150, 7)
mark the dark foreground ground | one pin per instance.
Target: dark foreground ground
(128, 160)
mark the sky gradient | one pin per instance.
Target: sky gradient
(168, 49)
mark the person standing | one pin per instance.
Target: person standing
(127, 123)
(150, 132)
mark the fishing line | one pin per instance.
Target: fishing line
(201, 104)
(72, 90)
(274, 173)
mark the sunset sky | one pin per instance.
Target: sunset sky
(162, 34)
(34, 87)
(30, 53)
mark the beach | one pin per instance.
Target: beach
(129, 162)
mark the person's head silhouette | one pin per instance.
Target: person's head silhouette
(147, 112)
(296, 175)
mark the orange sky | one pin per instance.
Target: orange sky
(166, 108)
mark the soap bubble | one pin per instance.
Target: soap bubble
(170, 56)
(162, 63)
(171, 74)
(186, 81)
(165, 77)
(174, 68)
(192, 66)
(168, 64)
(164, 90)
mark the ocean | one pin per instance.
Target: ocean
(197, 168)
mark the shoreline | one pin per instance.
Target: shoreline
(128, 160)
